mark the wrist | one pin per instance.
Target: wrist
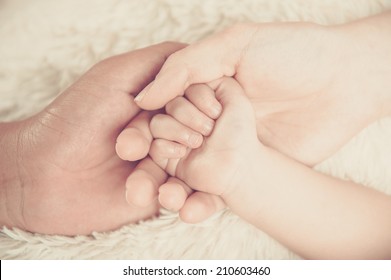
(10, 181)
(253, 177)
(370, 53)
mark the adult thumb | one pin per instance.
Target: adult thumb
(207, 60)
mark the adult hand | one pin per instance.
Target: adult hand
(312, 87)
(61, 173)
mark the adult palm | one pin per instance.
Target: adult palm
(302, 79)
(69, 179)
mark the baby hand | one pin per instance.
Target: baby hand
(220, 163)
(178, 131)
(135, 140)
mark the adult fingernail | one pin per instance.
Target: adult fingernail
(140, 96)
(143, 93)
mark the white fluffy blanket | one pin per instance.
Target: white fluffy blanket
(45, 45)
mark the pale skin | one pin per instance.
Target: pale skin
(315, 215)
(59, 171)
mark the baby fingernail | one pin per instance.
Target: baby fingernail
(208, 127)
(216, 111)
(195, 140)
(179, 151)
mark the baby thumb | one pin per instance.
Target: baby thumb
(233, 99)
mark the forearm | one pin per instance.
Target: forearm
(314, 215)
(371, 38)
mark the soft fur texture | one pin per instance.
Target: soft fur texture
(47, 44)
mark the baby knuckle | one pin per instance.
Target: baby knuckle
(156, 150)
(173, 57)
(156, 122)
(174, 107)
(159, 145)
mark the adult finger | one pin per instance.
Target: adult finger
(107, 89)
(199, 206)
(134, 141)
(173, 194)
(143, 183)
